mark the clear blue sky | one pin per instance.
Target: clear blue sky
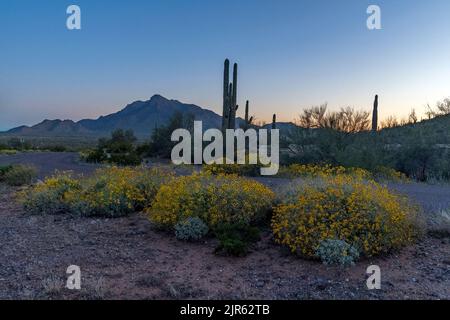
(291, 53)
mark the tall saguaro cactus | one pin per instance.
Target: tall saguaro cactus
(274, 122)
(226, 93)
(229, 97)
(248, 119)
(375, 115)
(246, 113)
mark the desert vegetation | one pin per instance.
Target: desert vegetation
(17, 175)
(110, 192)
(364, 215)
(325, 208)
(12, 145)
(331, 203)
(118, 149)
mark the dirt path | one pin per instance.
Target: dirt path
(430, 197)
(126, 259)
(47, 162)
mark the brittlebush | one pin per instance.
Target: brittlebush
(326, 170)
(360, 212)
(245, 169)
(50, 196)
(116, 191)
(214, 199)
(110, 192)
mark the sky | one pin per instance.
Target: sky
(292, 54)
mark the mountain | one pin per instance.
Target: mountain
(286, 128)
(140, 116)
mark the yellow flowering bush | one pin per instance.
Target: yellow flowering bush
(360, 212)
(109, 192)
(247, 169)
(50, 196)
(214, 199)
(327, 170)
(117, 191)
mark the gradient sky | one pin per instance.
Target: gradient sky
(291, 55)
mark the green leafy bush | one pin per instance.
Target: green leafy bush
(4, 170)
(17, 175)
(235, 239)
(118, 150)
(192, 229)
(337, 252)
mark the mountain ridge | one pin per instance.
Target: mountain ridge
(140, 116)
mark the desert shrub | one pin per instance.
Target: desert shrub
(110, 192)
(360, 212)
(50, 196)
(115, 191)
(337, 252)
(214, 199)
(4, 170)
(7, 151)
(247, 169)
(128, 159)
(17, 175)
(385, 173)
(417, 161)
(323, 170)
(160, 144)
(94, 156)
(18, 144)
(118, 150)
(191, 229)
(235, 238)
(326, 170)
(55, 148)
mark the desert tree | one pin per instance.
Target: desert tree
(443, 107)
(346, 119)
(412, 118)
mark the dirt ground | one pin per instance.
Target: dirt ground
(126, 258)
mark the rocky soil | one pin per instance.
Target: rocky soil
(126, 258)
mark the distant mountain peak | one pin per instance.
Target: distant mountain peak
(139, 116)
(158, 97)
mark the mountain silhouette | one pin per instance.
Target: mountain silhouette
(140, 116)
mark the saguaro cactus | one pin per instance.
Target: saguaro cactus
(229, 97)
(248, 119)
(226, 93)
(274, 121)
(375, 115)
(246, 113)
